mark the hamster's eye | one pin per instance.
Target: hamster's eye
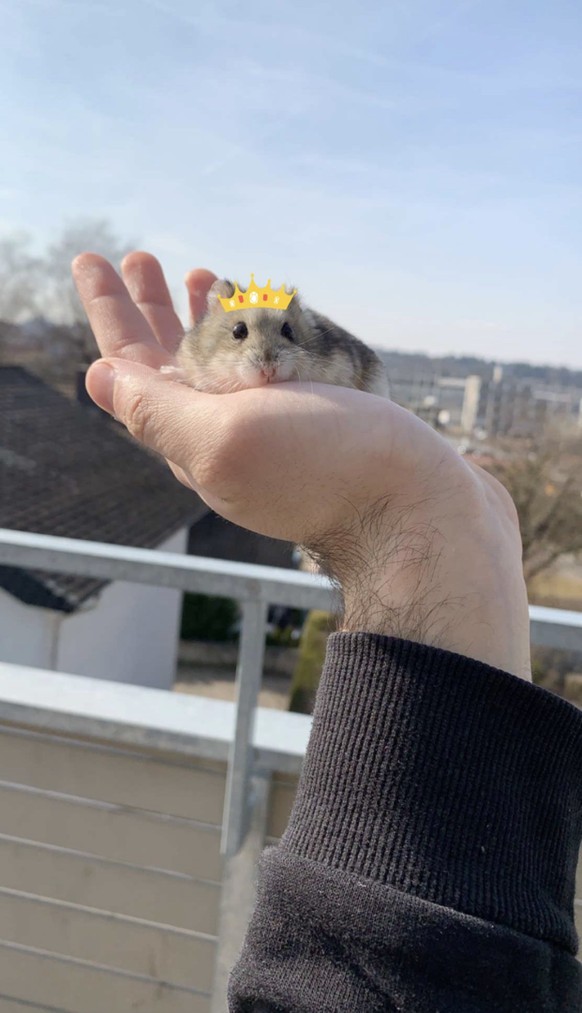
(240, 331)
(287, 331)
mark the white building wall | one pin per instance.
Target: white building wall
(470, 403)
(28, 635)
(129, 633)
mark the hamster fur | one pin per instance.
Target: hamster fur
(232, 351)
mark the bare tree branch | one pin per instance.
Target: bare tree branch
(19, 278)
(545, 481)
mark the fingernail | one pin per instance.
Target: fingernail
(100, 382)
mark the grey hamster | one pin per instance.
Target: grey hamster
(251, 347)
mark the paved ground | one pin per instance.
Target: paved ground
(560, 586)
(219, 684)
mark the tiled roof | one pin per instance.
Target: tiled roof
(69, 470)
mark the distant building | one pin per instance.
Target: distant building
(524, 408)
(459, 397)
(497, 400)
(442, 400)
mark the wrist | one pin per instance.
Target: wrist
(451, 580)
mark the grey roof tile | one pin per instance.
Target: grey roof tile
(68, 470)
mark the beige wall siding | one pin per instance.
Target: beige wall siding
(98, 937)
(118, 776)
(162, 897)
(119, 833)
(280, 804)
(42, 978)
(109, 877)
(13, 1006)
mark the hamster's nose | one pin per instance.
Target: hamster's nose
(268, 370)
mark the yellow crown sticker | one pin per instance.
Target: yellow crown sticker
(257, 298)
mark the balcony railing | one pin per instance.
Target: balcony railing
(130, 716)
(255, 587)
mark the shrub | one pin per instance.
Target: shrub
(207, 618)
(312, 647)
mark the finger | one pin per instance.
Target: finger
(147, 286)
(119, 328)
(163, 415)
(198, 283)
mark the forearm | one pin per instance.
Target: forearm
(430, 857)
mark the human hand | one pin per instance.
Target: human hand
(424, 545)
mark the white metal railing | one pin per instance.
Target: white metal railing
(255, 587)
(555, 628)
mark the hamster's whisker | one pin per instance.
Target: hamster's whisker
(322, 332)
(300, 378)
(310, 340)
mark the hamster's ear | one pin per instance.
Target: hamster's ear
(295, 304)
(223, 288)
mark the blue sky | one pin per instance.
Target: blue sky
(413, 166)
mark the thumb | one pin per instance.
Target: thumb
(168, 417)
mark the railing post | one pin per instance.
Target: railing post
(240, 763)
(238, 892)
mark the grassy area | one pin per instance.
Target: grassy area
(557, 590)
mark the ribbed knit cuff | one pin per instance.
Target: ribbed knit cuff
(447, 779)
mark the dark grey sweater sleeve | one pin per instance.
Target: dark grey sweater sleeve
(430, 858)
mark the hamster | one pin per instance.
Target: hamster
(252, 347)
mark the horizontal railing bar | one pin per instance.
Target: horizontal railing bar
(223, 578)
(146, 719)
(198, 574)
(557, 617)
(556, 628)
